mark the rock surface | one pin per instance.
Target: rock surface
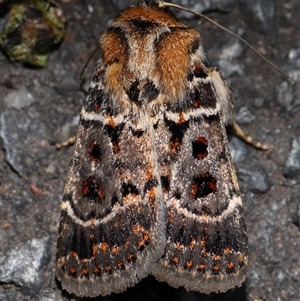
(33, 171)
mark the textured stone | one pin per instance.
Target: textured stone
(25, 264)
(244, 116)
(292, 163)
(19, 99)
(28, 139)
(253, 178)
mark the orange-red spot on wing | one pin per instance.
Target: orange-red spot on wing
(96, 271)
(192, 243)
(131, 257)
(120, 265)
(72, 270)
(103, 247)
(216, 257)
(108, 269)
(175, 260)
(201, 267)
(115, 250)
(94, 251)
(84, 260)
(189, 264)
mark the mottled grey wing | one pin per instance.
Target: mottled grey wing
(206, 237)
(112, 219)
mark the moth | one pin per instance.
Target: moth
(151, 187)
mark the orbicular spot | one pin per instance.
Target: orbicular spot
(95, 151)
(92, 190)
(203, 185)
(128, 188)
(200, 148)
(177, 130)
(114, 132)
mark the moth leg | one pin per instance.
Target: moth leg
(69, 141)
(248, 139)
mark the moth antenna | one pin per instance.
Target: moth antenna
(82, 73)
(167, 4)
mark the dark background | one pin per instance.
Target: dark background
(40, 107)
